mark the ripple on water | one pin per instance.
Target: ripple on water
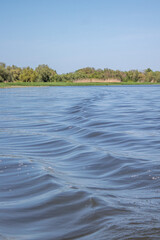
(80, 163)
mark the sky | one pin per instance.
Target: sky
(71, 34)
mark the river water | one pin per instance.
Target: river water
(80, 163)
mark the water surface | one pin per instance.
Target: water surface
(80, 163)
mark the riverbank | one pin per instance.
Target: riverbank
(46, 84)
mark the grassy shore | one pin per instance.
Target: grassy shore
(45, 84)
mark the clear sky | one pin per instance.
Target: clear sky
(72, 34)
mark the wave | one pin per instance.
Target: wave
(79, 163)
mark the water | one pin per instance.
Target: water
(80, 163)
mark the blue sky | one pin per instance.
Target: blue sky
(72, 34)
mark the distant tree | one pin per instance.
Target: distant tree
(148, 70)
(157, 76)
(135, 76)
(15, 72)
(28, 75)
(141, 77)
(4, 74)
(122, 76)
(45, 74)
(2, 64)
(108, 73)
(129, 75)
(99, 74)
(149, 76)
(87, 70)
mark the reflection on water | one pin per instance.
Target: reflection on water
(80, 163)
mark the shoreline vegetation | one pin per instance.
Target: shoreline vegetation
(52, 84)
(13, 76)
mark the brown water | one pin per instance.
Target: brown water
(80, 163)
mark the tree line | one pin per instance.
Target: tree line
(43, 73)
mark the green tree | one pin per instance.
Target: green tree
(141, 77)
(149, 76)
(5, 75)
(148, 70)
(157, 76)
(45, 74)
(28, 75)
(87, 70)
(2, 64)
(14, 72)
